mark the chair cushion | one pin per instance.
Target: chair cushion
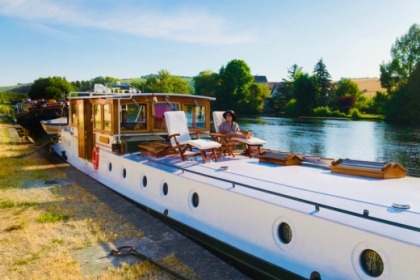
(250, 141)
(202, 144)
(176, 122)
(218, 119)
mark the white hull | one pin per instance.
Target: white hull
(54, 126)
(244, 205)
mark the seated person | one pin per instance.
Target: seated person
(229, 126)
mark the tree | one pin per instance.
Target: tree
(166, 83)
(294, 72)
(324, 82)
(347, 93)
(404, 106)
(405, 55)
(206, 83)
(380, 101)
(50, 88)
(305, 91)
(257, 96)
(235, 80)
(346, 87)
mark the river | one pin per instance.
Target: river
(361, 140)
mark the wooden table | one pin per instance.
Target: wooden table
(228, 145)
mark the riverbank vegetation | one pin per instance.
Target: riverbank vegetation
(300, 94)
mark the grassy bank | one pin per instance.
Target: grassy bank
(47, 220)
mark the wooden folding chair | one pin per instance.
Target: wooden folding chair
(180, 138)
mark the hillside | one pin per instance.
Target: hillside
(369, 86)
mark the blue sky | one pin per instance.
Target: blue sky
(84, 39)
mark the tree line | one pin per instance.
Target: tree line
(300, 94)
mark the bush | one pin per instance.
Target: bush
(338, 114)
(323, 111)
(355, 114)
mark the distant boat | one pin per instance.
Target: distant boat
(54, 126)
(32, 112)
(284, 216)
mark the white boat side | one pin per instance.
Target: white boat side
(333, 217)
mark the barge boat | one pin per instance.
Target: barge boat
(284, 216)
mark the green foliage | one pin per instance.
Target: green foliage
(292, 108)
(257, 95)
(323, 111)
(235, 81)
(6, 204)
(324, 82)
(404, 106)
(338, 114)
(355, 114)
(166, 83)
(346, 87)
(50, 88)
(89, 85)
(380, 100)
(52, 217)
(206, 83)
(8, 98)
(306, 93)
(405, 55)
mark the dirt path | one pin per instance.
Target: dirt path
(56, 222)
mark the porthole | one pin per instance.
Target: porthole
(195, 200)
(124, 173)
(371, 263)
(285, 233)
(165, 188)
(144, 181)
(110, 167)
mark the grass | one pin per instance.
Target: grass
(52, 217)
(41, 227)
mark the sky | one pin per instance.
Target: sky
(84, 39)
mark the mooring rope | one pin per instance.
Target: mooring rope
(124, 251)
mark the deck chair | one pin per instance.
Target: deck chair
(180, 138)
(252, 143)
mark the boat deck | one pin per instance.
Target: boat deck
(311, 189)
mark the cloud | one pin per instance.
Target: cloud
(190, 25)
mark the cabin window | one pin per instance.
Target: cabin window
(80, 116)
(97, 116)
(133, 117)
(107, 117)
(73, 114)
(196, 116)
(158, 114)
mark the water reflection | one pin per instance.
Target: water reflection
(363, 140)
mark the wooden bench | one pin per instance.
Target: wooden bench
(381, 170)
(155, 149)
(280, 158)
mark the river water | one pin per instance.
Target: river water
(360, 140)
